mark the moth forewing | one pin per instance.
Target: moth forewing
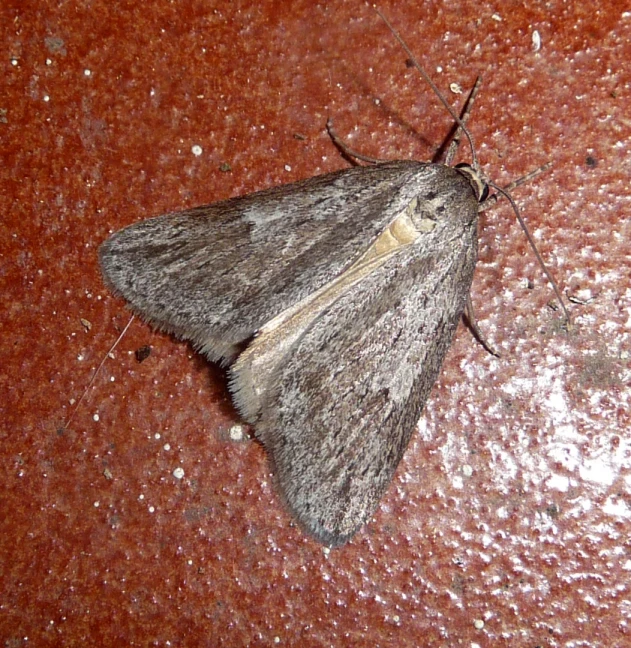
(335, 387)
(217, 273)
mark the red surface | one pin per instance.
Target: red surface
(99, 543)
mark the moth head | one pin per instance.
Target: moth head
(480, 188)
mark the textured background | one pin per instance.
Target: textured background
(508, 521)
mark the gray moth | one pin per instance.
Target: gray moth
(332, 301)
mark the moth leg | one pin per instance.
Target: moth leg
(349, 152)
(491, 201)
(455, 142)
(473, 325)
(453, 146)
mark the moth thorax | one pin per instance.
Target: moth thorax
(420, 216)
(480, 187)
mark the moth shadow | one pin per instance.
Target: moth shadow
(394, 116)
(218, 378)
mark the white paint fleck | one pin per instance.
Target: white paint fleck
(558, 482)
(536, 41)
(455, 88)
(178, 473)
(197, 150)
(598, 470)
(236, 433)
(617, 507)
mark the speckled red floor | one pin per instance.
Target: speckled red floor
(508, 521)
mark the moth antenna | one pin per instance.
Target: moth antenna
(532, 243)
(474, 161)
(492, 200)
(95, 374)
(432, 85)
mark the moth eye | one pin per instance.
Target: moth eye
(485, 193)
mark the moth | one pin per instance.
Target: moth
(331, 301)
